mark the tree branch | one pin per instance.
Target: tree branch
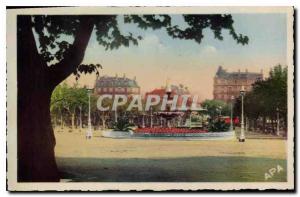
(75, 54)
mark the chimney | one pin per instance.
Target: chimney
(124, 76)
(134, 78)
(246, 70)
(116, 75)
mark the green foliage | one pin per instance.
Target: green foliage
(53, 48)
(69, 99)
(57, 99)
(218, 126)
(214, 107)
(122, 125)
(195, 118)
(267, 96)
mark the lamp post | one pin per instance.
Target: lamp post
(277, 129)
(242, 136)
(151, 120)
(231, 114)
(143, 120)
(80, 120)
(89, 132)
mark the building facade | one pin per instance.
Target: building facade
(116, 85)
(228, 84)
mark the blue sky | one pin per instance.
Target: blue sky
(159, 57)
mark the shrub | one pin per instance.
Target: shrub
(218, 126)
(122, 125)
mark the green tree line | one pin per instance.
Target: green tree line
(266, 101)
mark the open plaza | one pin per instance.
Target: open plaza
(102, 159)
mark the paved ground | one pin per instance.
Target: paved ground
(104, 159)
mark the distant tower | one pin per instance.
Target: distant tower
(168, 87)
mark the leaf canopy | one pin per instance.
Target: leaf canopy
(54, 48)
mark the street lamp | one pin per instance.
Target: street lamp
(151, 118)
(242, 136)
(143, 120)
(80, 120)
(89, 132)
(231, 114)
(277, 111)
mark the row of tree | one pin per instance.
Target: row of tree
(266, 102)
(69, 106)
(264, 106)
(216, 108)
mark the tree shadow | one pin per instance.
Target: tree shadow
(190, 169)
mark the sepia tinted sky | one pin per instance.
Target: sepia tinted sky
(159, 57)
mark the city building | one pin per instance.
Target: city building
(228, 84)
(117, 85)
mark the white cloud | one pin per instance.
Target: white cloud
(208, 50)
(152, 43)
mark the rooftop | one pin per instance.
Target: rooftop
(108, 81)
(180, 90)
(222, 73)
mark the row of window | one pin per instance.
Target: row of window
(244, 81)
(224, 96)
(231, 88)
(118, 89)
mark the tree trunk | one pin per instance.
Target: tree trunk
(61, 122)
(73, 121)
(36, 161)
(255, 124)
(264, 124)
(35, 83)
(103, 122)
(80, 121)
(272, 124)
(36, 141)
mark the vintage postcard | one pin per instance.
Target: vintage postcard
(150, 98)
